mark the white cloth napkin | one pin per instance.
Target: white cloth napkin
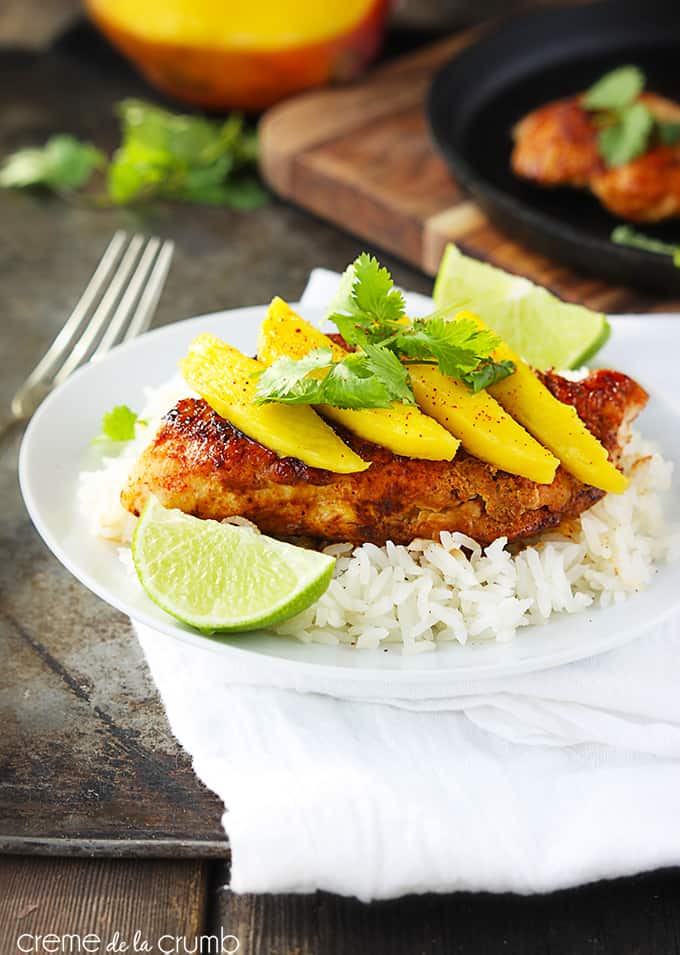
(526, 784)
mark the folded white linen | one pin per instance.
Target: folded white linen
(527, 783)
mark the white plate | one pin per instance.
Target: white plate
(56, 444)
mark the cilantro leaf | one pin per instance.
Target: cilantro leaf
(386, 368)
(286, 380)
(487, 373)
(373, 291)
(165, 155)
(628, 137)
(367, 308)
(669, 132)
(342, 301)
(457, 346)
(370, 313)
(615, 90)
(355, 329)
(371, 379)
(63, 164)
(242, 193)
(119, 424)
(626, 125)
(627, 235)
(359, 381)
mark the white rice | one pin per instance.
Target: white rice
(429, 592)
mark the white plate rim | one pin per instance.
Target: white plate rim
(434, 676)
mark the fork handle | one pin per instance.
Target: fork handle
(28, 397)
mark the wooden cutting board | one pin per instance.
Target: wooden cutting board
(361, 157)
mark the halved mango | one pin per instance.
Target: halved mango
(230, 54)
(403, 429)
(553, 423)
(483, 426)
(223, 376)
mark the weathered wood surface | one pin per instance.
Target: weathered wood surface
(62, 726)
(363, 159)
(112, 900)
(87, 761)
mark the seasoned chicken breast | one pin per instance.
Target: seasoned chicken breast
(556, 145)
(201, 464)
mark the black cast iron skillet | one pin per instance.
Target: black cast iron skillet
(478, 96)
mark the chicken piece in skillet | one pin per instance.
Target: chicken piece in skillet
(556, 145)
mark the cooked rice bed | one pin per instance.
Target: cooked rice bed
(452, 590)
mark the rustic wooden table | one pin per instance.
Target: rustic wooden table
(88, 767)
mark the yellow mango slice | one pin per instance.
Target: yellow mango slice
(403, 429)
(553, 423)
(222, 375)
(483, 426)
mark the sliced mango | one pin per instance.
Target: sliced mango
(553, 423)
(222, 375)
(483, 426)
(403, 429)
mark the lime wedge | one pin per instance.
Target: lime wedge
(222, 577)
(547, 332)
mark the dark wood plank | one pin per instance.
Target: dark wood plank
(638, 916)
(64, 896)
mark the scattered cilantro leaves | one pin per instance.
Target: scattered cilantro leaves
(63, 164)
(164, 155)
(628, 137)
(370, 314)
(627, 235)
(119, 424)
(286, 380)
(457, 347)
(627, 126)
(371, 379)
(615, 90)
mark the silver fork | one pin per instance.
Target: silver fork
(117, 305)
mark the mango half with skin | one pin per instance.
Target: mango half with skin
(402, 429)
(223, 377)
(233, 54)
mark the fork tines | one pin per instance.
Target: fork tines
(117, 305)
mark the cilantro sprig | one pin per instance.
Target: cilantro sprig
(63, 164)
(370, 314)
(166, 155)
(627, 235)
(627, 126)
(371, 379)
(162, 156)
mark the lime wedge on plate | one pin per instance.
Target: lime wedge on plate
(222, 577)
(547, 332)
